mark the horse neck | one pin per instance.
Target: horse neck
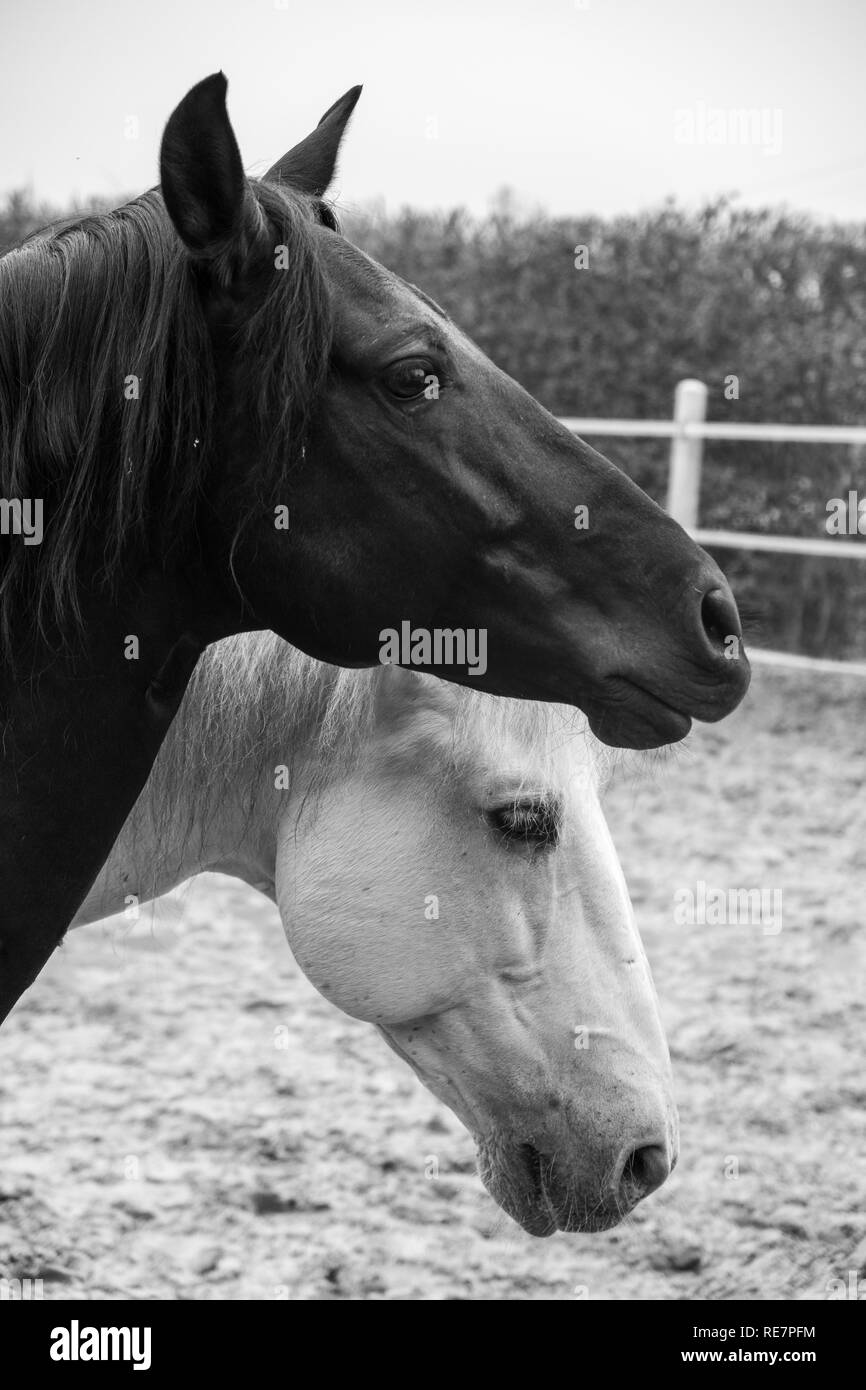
(172, 835)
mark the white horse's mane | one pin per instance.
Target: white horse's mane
(253, 695)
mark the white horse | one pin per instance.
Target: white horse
(444, 871)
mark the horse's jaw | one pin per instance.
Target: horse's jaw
(555, 1159)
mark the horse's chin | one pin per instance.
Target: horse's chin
(635, 718)
(525, 1184)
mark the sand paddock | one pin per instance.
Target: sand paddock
(183, 1117)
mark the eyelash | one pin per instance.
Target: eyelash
(536, 825)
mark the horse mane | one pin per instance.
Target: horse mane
(254, 701)
(86, 304)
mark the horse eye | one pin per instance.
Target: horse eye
(531, 823)
(409, 379)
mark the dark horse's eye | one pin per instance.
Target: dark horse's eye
(532, 823)
(411, 378)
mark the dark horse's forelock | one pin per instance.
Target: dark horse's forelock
(90, 304)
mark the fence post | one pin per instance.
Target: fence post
(684, 477)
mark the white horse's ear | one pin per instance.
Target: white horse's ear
(403, 695)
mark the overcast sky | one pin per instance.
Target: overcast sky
(579, 105)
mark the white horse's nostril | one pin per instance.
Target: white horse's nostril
(644, 1170)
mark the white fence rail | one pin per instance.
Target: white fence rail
(687, 431)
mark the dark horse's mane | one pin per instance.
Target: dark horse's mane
(86, 304)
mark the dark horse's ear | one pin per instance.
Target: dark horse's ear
(203, 181)
(309, 166)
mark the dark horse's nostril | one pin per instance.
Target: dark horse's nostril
(720, 617)
(645, 1169)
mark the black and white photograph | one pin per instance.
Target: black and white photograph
(433, 626)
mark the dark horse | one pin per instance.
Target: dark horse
(216, 415)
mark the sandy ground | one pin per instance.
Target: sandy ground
(183, 1117)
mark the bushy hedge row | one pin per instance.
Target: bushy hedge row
(769, 297)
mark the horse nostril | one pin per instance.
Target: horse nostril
(645, 1169)
(720, 617)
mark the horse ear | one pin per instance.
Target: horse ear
(309, 166)
(404, 697)
(203, 181)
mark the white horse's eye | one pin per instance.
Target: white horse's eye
(532, 823)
